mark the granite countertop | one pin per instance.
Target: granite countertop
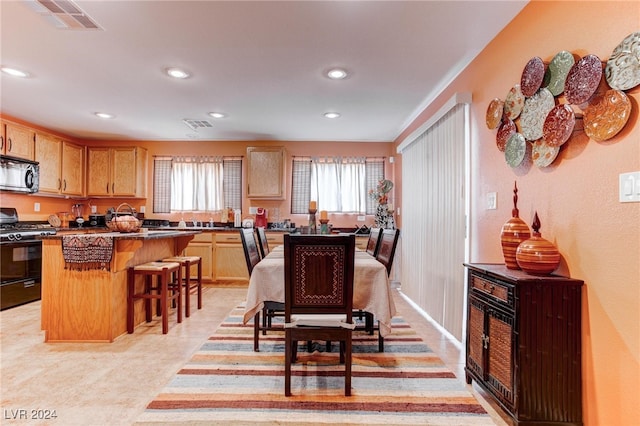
(144, 234)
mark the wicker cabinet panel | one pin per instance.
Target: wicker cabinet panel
(61, 166)
(524, 343)
(266, 173)
(18, 141)
(117, 172)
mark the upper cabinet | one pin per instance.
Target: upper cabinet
(61, 166)
(17, 141)
(116, 172)
(266, 173)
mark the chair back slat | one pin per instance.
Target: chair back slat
(262, 241)
(387, 248)
(251, 253)
(318, 274)
(373, 244)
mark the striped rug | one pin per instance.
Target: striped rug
(226, 382)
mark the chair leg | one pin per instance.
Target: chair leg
(347, 368)
(148, 283)
(288, 355)
(256, 332)
(265, 314)
(380, 340)
(178, 285)
(187, 285)
(200, 284)
(164, 292)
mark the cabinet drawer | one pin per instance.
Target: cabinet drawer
(205, 237)
(228, 237)
(494, 289)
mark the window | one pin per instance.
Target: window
(339, 185)
(191, 184)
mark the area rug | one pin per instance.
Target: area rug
(227, 383)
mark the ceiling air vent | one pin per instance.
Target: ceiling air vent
(197, 124)
(63, 14)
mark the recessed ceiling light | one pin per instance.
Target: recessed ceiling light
(217, 114)
(332, 114)
(177, 73)
(104, 115)
(337, 74)
(14, 72)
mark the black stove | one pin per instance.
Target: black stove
(20, 259)
(13, 230)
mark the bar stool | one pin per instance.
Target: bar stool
(190, 284)
(166, 289)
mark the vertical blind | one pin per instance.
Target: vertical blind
(433, 194)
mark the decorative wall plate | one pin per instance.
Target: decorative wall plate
(532, 76)
(513, 103)
(558, 69)
(583, 80)
(507, 128)
(494, 113)
(623, 67)
(534, 114)
(542, 154)
(606, 115)
(558, 125)
(515, 150)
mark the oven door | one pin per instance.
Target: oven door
(20, 272)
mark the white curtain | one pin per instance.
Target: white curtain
(339, 184)
(197, 184)
(434, 220)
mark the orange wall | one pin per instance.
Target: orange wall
(49, 205)
(576, 197)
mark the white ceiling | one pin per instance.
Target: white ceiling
(260, 62)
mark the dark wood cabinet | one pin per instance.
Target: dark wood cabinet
(523, 343)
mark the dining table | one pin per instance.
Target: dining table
(371, 289)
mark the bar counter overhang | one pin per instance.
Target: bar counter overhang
(91, 305)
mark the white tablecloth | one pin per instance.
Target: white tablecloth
(371, 290)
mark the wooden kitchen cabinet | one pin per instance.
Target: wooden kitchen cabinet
(202, 246)
(61, 166)
(17, 141)
(524, 343)
(266, 173)
(230, 263)
(116, 172)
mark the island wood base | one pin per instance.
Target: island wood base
(91, 306)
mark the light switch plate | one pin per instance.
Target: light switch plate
(492, 200)
(36, 207)
(629, 187)
(253, 210)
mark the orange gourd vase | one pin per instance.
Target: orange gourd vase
(537, 256)
(514, 231)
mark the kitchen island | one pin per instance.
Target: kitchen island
(90, 304)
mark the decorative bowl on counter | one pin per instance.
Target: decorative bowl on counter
(124, 221)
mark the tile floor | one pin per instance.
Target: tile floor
(110, 384)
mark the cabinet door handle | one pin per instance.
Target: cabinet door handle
(107, 187)
(64, 188)
(59, 184)
(10, 144)
(113, 188)
(1, 142)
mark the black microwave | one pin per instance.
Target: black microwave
(18, 174)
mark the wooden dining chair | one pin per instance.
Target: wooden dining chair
(373, 243)
(262, 241)
(270, 308)
(384, 254)
(387, 248)
(318, 277)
